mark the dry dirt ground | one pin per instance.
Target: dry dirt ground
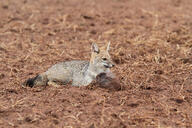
(151, 45)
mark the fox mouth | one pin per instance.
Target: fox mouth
(107, 66)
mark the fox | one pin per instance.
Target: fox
(76, 72)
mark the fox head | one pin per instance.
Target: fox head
(100, 57)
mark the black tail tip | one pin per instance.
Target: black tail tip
(30, 82)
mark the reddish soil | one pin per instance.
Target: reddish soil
(151, 45)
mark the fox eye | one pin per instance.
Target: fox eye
(104, 59)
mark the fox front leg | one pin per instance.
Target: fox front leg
(54, 84)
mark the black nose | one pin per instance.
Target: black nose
(113, 65)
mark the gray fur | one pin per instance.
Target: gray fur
(78, 72)
(69, 71)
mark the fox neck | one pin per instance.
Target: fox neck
(92, 73)
(93, 70)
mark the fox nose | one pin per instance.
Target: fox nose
(112, 65)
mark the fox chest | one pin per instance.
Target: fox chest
(81, 80)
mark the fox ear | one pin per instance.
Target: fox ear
(108, 46)
(95, 48)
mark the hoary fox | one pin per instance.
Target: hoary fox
(78, 72)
